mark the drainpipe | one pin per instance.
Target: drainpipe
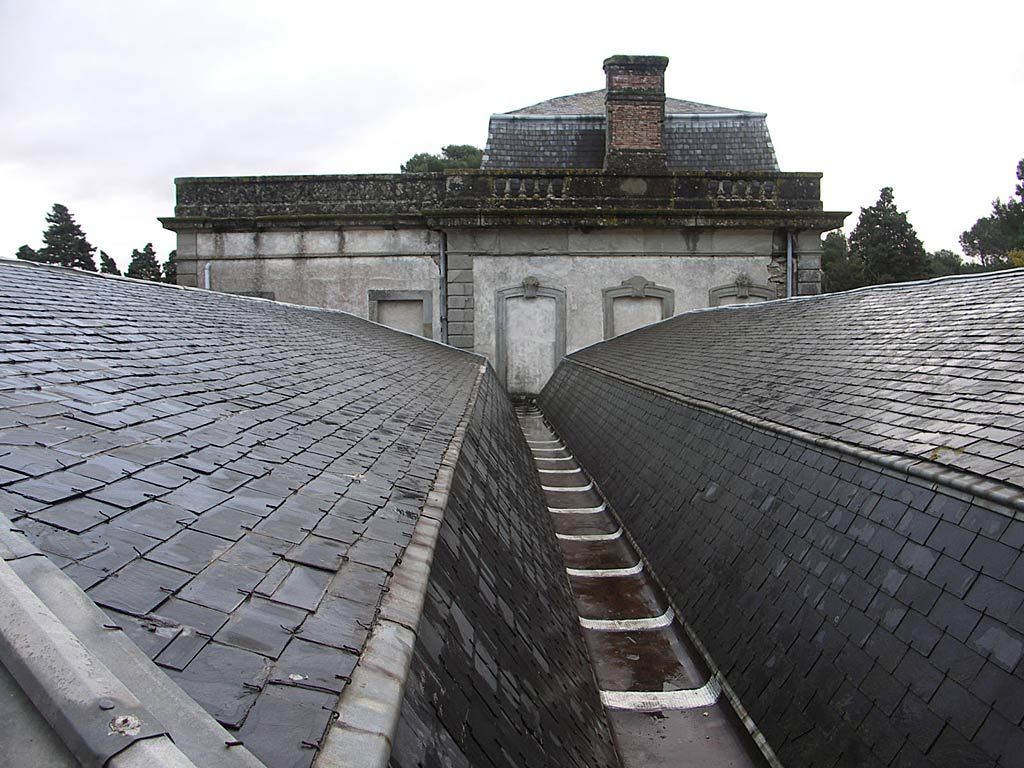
(789, 265)
(443, 267)
(206, 275)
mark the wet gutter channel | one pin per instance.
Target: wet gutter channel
(664, 706)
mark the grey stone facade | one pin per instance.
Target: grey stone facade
(674, 214)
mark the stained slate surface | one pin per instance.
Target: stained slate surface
(574, 136)
(865, 616)
(230, 479)
(500, 675)
(592, 103)
(932, 370)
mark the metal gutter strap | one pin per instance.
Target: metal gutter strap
(369, 708)
(64, 620)
(90, 709)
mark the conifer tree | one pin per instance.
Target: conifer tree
(887, 245)
(64, 241)
(28, 254)
(144, 265)
(107, 265)
(170, 268)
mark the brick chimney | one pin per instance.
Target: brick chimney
(635, 108)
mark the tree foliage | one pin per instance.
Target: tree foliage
(143, 265)
(170, 269)
(107, 265)
(993, 238)
(28, 254)
(887, 246)
(64, 243)
(841, 271)
(452, 156)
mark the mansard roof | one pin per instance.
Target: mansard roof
(569, 132)
(591, 103)
(231, 480)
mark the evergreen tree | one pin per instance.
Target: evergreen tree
(452, 156)
(841, 271)
(107, 265)
(887, 245)
(144, 265)
(170, 268)
(993, 238)
(28, 254)
(64, 242)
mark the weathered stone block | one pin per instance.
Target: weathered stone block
(459, 328)
(460, 302)
(460, 261)
(460, 275)
(460, 289)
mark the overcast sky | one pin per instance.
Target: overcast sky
(105, 103)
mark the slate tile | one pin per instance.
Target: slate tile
(318, 552)
(190, 550)
(990, 557)
(107, 469)
(339, 529)
(152, 637)
(120, 547)
(222, 586)
(257, 551)
(1000, 644)
(339, 623)
(958, 707)
(225, 681)
(921, 725)
(311, 665)
(953, 658)
(202, 619)
(302, 587)
(138, 587)
(283, 719)
(261, 626)
(226, 522)
(245, 499)
(169, 476)
(359, 583)
(57, 541)
(291, 525)
(379, 554)
(55, 486)
(127, 493)
(952, 576)
(77, 515)
(196, 497)
(180, 652)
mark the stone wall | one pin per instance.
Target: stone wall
(863, 618)
(490, 685)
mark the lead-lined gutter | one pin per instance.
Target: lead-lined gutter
(368, 710)
(1001, 495)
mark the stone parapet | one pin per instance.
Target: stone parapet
(495, 197)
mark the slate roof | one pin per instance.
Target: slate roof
(569, 132)
(932, 372)
(592, 103)
(231, 479)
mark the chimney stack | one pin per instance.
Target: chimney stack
(635, 109)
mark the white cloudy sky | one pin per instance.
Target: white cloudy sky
(105, 102)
